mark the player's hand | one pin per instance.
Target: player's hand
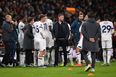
(33, 51)
(54, 39)
(78, 50)
(15, 23)
(12, 22)
(114, 34)
(42, 53)
(91, 39)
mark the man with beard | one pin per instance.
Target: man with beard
(60, 34)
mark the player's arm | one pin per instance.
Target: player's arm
(54, 30)
(33, 30)
(68, 32)
(113, 31)
(21, 26)
(50, 25)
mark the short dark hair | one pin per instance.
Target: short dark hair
(114, 20)
(60, 14)
(29, 19)
(41, 16)
(97, 18)
(91, 14)
(106, 17)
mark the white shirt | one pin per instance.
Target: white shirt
(38, 28)
(21, 26)
(48, 24)
(107, 30)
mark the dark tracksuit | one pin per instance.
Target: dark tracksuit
(9, 38)
(61, 33)
(90, 29)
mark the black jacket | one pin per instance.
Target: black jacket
(65, 30)
(9, 32)
(90, 29)
(63, 39)
(28, 38)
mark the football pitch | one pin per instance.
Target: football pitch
(101, 71)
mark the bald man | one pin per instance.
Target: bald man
(9, 38)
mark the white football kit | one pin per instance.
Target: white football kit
(48, 26)
(21, 26)
(47, 33)
(107, 30)
(39, 42)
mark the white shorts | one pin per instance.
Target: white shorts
(39, 44)
(49, 40)
(20, 39)
(106, 43)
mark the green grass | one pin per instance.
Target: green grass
(101, 71)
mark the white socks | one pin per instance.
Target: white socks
(107, 55)
(89, 56)
(79, 58)
(104, 56)
(41, 61)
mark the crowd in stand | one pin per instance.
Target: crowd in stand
(21, 8)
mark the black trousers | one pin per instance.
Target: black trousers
(93, 57)
(28, 57)
(114, 53)
(62, 44)
(10, 48)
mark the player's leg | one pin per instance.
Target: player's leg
(40, 61)
(104, 56)
(52, 56)
(52, 51)
(104, 52)
(79, 60)
(49, 42)
(89, 56)
(36, 47)
(36, 57)
(109, 54)
(78, 56)
(70, 56)
(47, 57)
(22, 59)
(41, 54)
(71, 59)
(78, 49)
(109, 51)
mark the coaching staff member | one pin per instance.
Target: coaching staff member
(61, 34)
(91, 32)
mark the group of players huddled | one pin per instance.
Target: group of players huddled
(31, 41)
